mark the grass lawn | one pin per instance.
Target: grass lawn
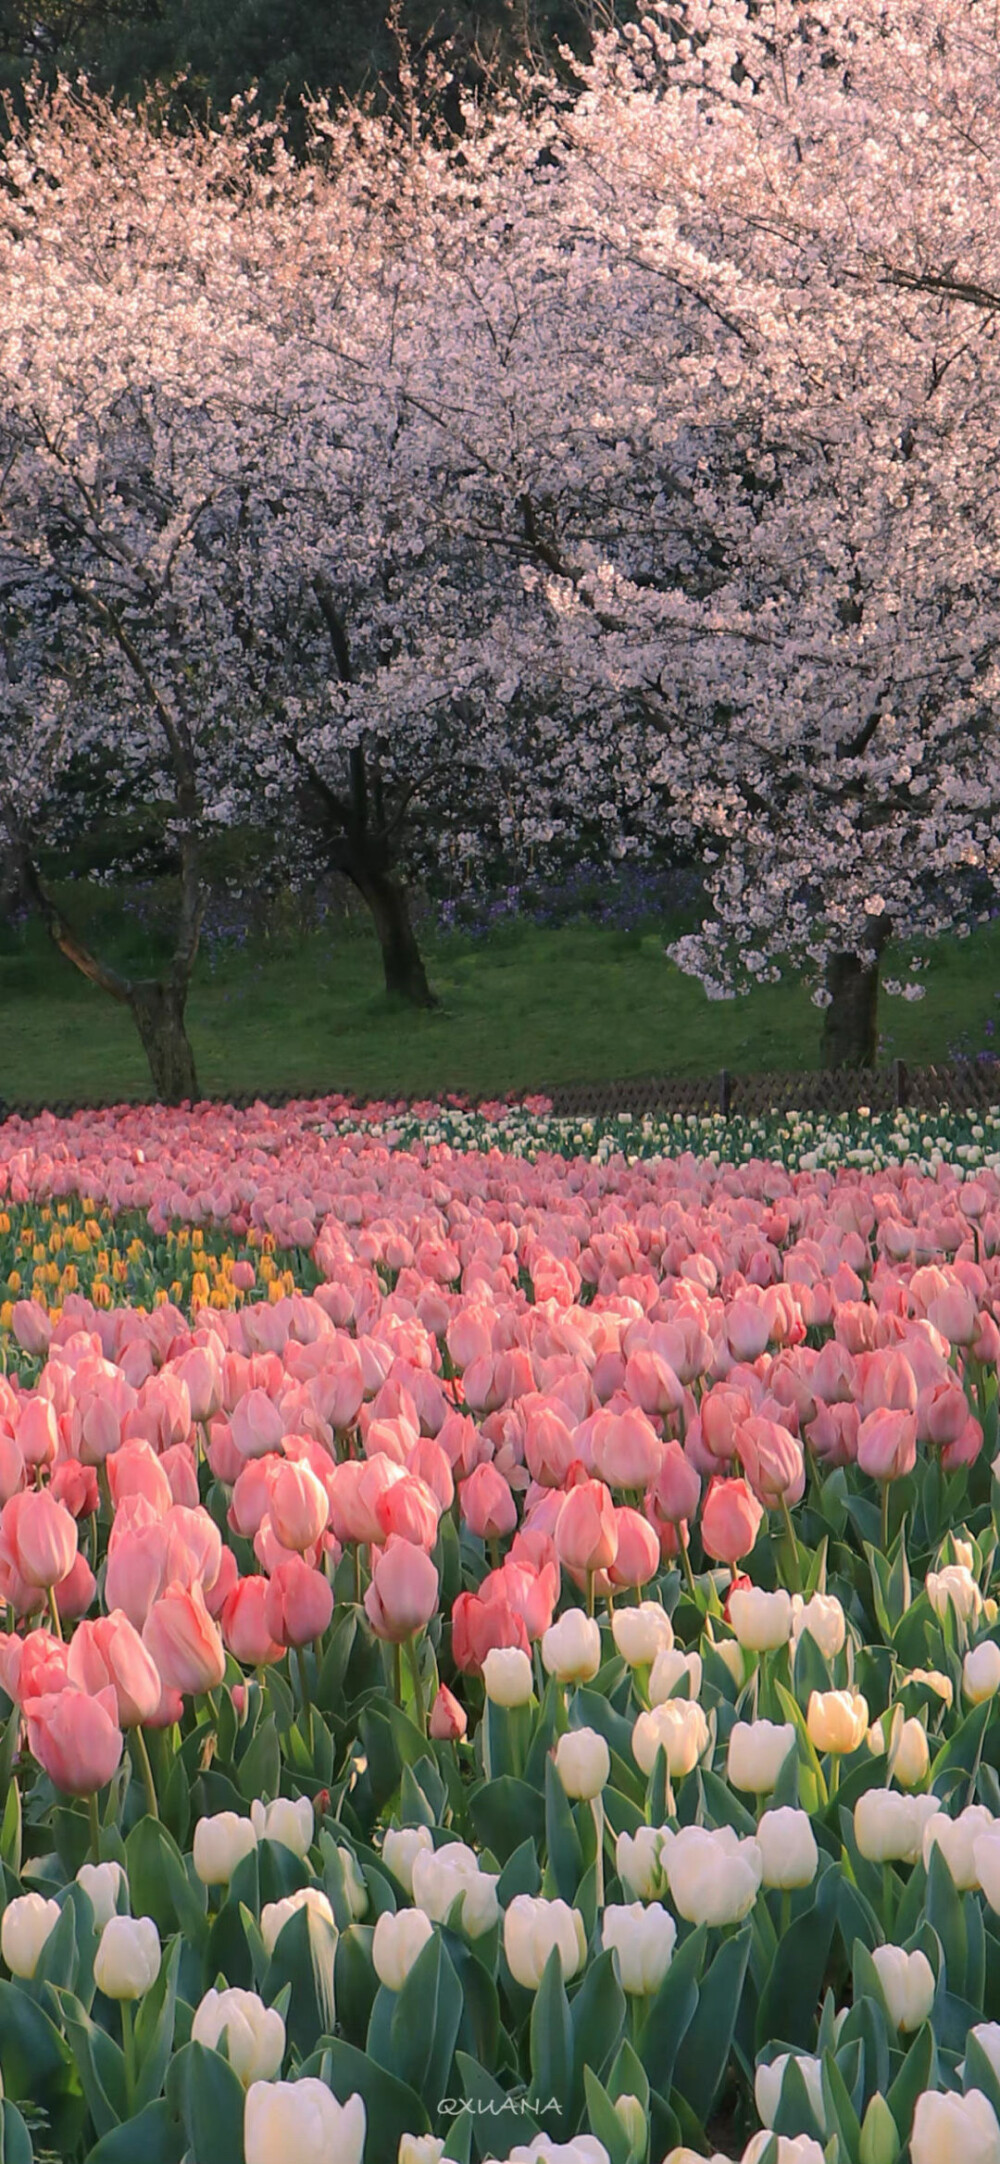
(529, 1007)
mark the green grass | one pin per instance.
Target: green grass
(531, 1007)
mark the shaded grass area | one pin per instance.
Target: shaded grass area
(529, 1007)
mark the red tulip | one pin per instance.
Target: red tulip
(479, 1625)
(448, 1720)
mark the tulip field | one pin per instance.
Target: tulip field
(499, 1653)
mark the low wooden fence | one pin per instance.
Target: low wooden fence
(962, 1086)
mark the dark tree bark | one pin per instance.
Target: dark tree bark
(850, 1023)
(402, 961)
(157, 1009)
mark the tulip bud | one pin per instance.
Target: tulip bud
(102, 1883)
(397, 1942)
(127, 1961)
(220, 1843)
(354, 1885)
(912, 1760)
(954, 1584)
(643, 1939)
(908, 1985)
(637, 1862)
(254, 2034)
(787, 1845)
(420, 2149)
(889, 1828)
(958, 1839)
(628, 2109)
(769, 2082)
(641, 1633)
(302, 2119)
(28, 1921)
(668, 1671)
(291, 1823)
(757, 1752)
(445, 1875)
(583, 1763)
(401, 1845)
(879, 2135)
(823, 1618)
(507, 1676)
(682, 1730)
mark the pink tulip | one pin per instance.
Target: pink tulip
(730, 1520)
(13, 1470)
(217, 1594)
(676, 1490)
(299, 1603)
(200, 1370)
(626, 1449)
(403, 1594)
(772, 1460)
(300, 1507)
(256, 1425)
(488, 1507)
(75, 1738)
(548, 1447)
(479, 1625)
(747, 1329)
(723, 1410)
(942, 1411)
(652, 1384)
(530, 1589)
(75, 1593)
(244, 1624)
(38, 1432)
(184, 1641)
(75, 1486)
(110, 1652)
(887, 1444)
(38, 1537)
(430, 1463)
(33, 1665)
(448, 1720)
(954, 1314)
(178, 1462)
(638, 1556)
(965, 1448)
(833, 1435)
(354, 1490)
(31, 1327)
(135, 1469)
(834, 1375)
(409, 1509)
(586, 1534)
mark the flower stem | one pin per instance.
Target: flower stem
(686, 1564)
(140, 1752)
(95, 1827)
(128, 2051)
(413, 1663)
(597, 1806)
(590, 1592)
(54, 1612)
(397, 1674)
(300, 1663)
(885, 1517)
(793, 1545)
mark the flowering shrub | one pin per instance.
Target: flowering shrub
(502, 1655)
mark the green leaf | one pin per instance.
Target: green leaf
(38, 2065)
(551, 2041)
(672, 2010)
(159, 1883)
(213, 2107)
(425, 2023)
(100, 2065)
(505, 1814)
(841, 2116)
(565, 1854)
(603, 2120)
(260, 1768)
(491, 2106)
(153, 2137)
(944, 1912)
(304, 1958)
(520, 1874)
(15, 2140)
(708, 2041)
(391, 2108)
(917, 2073)
(154, 2030)
(10, 1830)
(356, 1982)
(598, 2017)
(788, 2003)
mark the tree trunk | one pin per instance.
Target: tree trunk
(850, 1023)
(158, 1013)
(402, 962)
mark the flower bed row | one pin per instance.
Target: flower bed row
(502, 1657)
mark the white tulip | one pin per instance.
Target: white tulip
(913, 1757)
(762, 1621)
(730, 1651)
(889, 1828)
(638, 1861)
(292, 1823)
(788, 1851)
(986, 1855)
(102, 1883)
(987, 2035)
(583, 1763)
(824, 1619)
(401, 1845)
(397, 1942)
(254, 2034)
(302, 2120)
(641, 1633)
(571, 1648)
(713, 1876)
(957, 1839)
(679, 1725)
(508, 1676)
(981, 1672)
(420, 2149)
(28, 1922)
(445, 1875)
(220, 1843)
(669, 1669)
(276, 1914)
(837, 1721)
(792, 2148)
(947, 2127)
(354, 1885)
(955, 1583)
(769, 2079)
(907, 1982)
(127, 1961)
(757, 1752)
(532, 1927)
(643, 1939)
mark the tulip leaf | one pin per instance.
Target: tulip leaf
(723, 1807)
(333, 1669)
(15, 2140)
(489, 2102)
(944, 1912)
(505, 1814)
(709, 2038)
(672, 2009)
(917, 2073)
(551, 2044)
(154, 2030)
(58, 1963)
(790, 1997)
(100, 2065)
(159, 1883)
(259, 1773)
(10, 1830)
(414, 2031)
(392, 2109)
(962, 1753)
(155, 2136)
(840, 2113)
(565, 1855)
(479, 2029)
(304, 1957)
(38, 2064)
(213, 2104)
(597, 2014)
(604, 2122)
(520, 1874)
